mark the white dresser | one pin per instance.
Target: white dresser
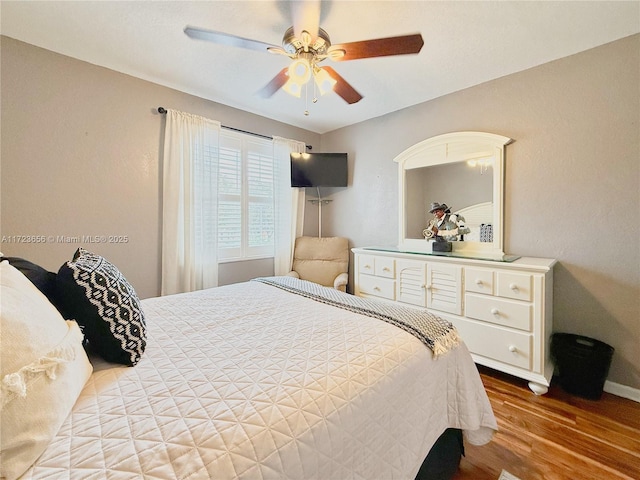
(502, 309)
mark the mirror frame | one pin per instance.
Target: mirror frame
(451, 148)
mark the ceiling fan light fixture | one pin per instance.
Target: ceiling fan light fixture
(324, 81)
(300, 71)
(292, 88)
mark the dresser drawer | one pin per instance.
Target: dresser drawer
(379, 266)
(377, 286)
(367, 264)
(478, 280)
(497, 343)
(515, 285)
(498, 310)
(385, 267)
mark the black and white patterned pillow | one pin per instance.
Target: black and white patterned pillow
(94, 293)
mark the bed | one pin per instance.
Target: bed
(272, 378)
(478, 219)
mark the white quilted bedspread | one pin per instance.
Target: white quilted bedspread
(250, 381)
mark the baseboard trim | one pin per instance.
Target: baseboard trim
(622, 391)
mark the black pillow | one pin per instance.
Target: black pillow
(94, 293)
(44, 280)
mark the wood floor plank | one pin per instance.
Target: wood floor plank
(557, 436)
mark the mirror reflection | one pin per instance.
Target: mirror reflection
(465, 188)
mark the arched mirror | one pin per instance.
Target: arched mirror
(464, 171)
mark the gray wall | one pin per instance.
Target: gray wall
(80, 157)
(80, 147)
(572, 182)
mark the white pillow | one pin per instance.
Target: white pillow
(43, 368)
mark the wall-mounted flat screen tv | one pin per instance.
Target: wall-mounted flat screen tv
(318, 169)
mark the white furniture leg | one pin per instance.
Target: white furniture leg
(538, 388)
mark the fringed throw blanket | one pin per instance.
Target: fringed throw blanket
(436, 333)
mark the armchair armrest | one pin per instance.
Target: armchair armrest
(340, 283)
(293, 274)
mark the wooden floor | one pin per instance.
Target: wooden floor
(556, 436)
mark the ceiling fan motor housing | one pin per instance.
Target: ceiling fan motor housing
(295, 46)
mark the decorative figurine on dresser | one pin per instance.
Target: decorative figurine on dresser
(444, 227)
(501, 304)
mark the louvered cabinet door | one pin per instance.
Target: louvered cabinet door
(444, 288)
(410, 282)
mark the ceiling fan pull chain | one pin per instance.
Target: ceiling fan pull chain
(306, 99)
(315, 89)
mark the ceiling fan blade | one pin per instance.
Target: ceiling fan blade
(380, 47)
(226, 39)
(342, 87)
(306, 16)
(275, 84)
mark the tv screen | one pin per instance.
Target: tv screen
(318, 169)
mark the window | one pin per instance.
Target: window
(246, 220)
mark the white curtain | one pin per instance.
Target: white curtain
(289, 204)
(189, 203)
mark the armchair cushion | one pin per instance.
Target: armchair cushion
(322, 260)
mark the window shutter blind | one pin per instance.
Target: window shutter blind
(246, 217)
(261, 221)
(229, 201)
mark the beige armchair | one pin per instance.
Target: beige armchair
(322, 260)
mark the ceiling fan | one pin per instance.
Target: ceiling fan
(308, 45)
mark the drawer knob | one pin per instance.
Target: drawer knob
(385, 269)
(479, 282)
(377, 289)
(495, 311)
(513, 287)
(367, 266)
(512, 348)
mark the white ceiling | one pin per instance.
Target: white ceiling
(466, 43)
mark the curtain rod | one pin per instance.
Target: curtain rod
(164, 110)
